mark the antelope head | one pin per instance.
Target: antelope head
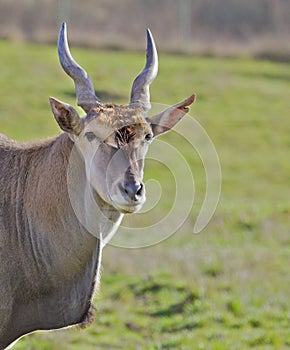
(114, 139)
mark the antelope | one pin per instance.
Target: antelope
(50, 257)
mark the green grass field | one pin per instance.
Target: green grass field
(225, 288)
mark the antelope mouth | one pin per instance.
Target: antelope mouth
(127, 207)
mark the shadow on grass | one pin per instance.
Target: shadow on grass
(177, 307)
(186, 327)
(152, 287)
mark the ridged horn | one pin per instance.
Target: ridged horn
(85, 91)
(140, 89)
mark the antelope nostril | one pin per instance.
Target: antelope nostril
(140, 190)
(133, 190)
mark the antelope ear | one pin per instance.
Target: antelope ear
(66, 116)
(166, 120)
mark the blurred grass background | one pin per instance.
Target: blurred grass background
(232, 28)
(228, 287)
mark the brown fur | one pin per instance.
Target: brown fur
(115, 117)
(48, 261)
(89, 317)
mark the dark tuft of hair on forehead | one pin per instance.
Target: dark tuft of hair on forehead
(124, 135)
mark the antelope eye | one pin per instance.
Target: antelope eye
(90, 136)
(148, 137)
